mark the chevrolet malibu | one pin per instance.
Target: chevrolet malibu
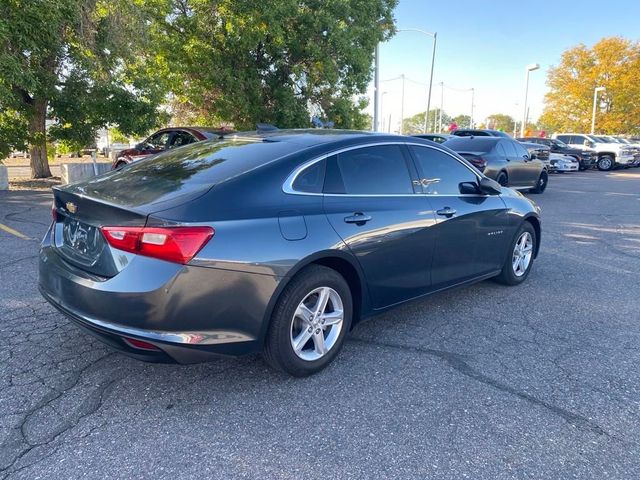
(276, 243)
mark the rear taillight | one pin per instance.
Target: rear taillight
(173, 244)
(478, 162)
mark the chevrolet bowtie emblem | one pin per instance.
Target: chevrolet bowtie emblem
(71, 207)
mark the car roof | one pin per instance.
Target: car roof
(308, 137)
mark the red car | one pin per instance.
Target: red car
(165, 139)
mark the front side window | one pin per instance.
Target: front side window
(510, 148)
(376, 170)
(520, 150)
(441, 173)
(158, 141)
(564, 138)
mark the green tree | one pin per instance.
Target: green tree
(463, 121)
(272, 61)
(613, 63)
(415, 124)
(500, 121)
(78, 62)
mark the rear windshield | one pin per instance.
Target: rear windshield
(183, 170)
(475, 144)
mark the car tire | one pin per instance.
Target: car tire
(606, 163)
(503, 179)
(120, 165)
(541, 183)
(292, 326)
(510, 275)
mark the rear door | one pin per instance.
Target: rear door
(370, 201)
(471, 228)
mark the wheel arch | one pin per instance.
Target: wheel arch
(342, 262)
(535, 223)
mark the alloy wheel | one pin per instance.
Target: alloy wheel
(522, 254)
(316, 323)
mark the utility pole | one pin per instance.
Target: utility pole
(402, 106)
(376, 90)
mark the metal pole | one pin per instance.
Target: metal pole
(433, 61)
(524, 110)
(441, 106)
(402, 107)
(593, 113)
(472, 101)
(376, 90)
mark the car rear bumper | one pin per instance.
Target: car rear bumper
(573, 167)
(188, 313)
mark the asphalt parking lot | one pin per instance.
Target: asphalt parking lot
(537, 381)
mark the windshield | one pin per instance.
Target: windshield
(559, 143)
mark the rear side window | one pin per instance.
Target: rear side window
(564, 138)
(376, 170)
(441, 173)
(311, 179)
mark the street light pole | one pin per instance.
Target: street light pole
(530, 68)
(472, 101)
(593, 113)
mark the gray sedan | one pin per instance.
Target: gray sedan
(277, 242)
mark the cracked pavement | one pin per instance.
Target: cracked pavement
(539, 381)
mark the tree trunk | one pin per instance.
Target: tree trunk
(38, 134)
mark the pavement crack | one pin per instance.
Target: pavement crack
(458, 363)
(18, 260)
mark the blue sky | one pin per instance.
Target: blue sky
(487, 45)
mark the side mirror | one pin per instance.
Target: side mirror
(586, 143)
(489, 187)
(532, 156)
(469, 188)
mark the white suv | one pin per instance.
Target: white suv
(610, 154)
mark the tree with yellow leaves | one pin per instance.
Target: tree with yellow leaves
(613, 63)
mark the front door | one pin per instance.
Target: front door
(471, 235)
(370, 202)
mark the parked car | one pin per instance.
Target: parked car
(633, 145)
(541, 152)
(609, 155)
(304, 234)
(166, 139)
(19, 154)
(470, 132)
(586, 157)
(504, 160)
(434, 137)
(563, 163)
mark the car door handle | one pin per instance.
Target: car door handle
(446, 212)
(358, 218)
